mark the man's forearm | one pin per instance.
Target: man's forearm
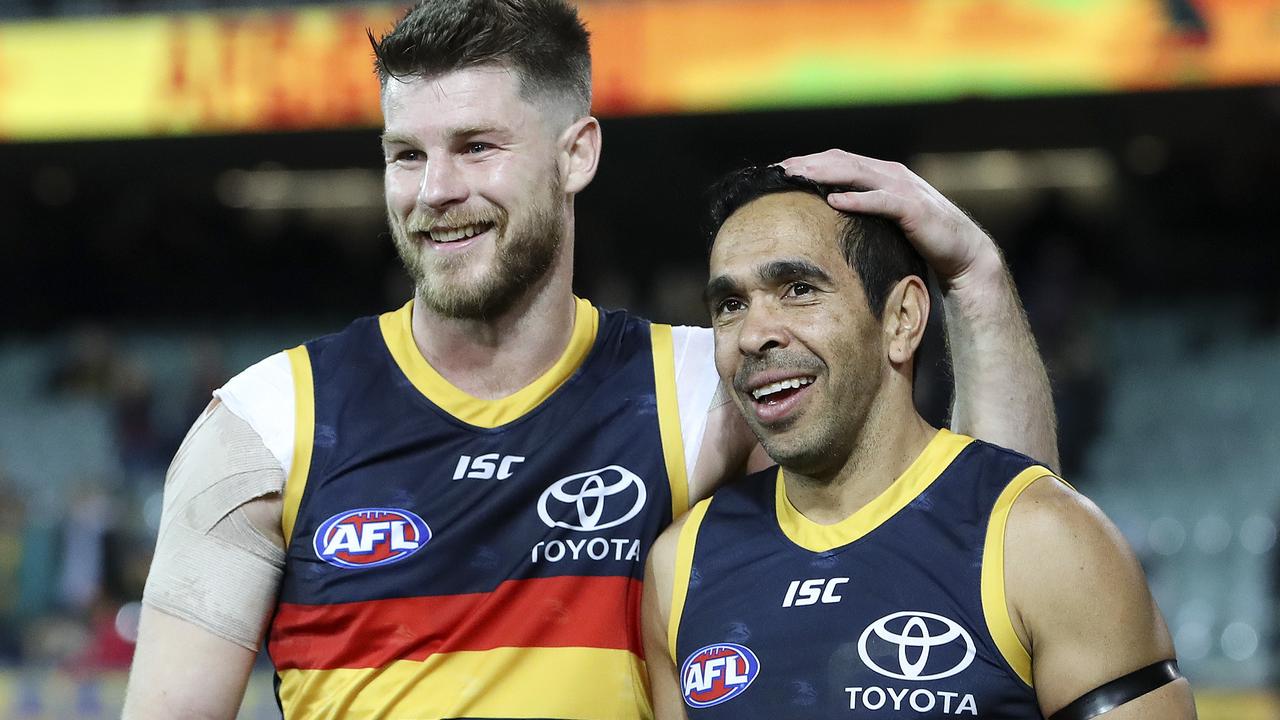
(1002, 392)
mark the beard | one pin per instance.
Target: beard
(817, 442)
(525, 249)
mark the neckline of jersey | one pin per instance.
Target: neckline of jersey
(397, 333)
(936, 457)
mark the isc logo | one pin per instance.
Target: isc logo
(370, 537)
(717, 673)
(811, 592)
(483, 467)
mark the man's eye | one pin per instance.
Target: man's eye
(729, 305)
(409, 156)
(476, 148)
(798, 289)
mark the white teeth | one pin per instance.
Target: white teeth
(789, 384)
(455, 234)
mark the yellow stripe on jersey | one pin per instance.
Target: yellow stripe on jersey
(814, 537)
(397, 333)
(995, 605)
(506, 682)
(685, 545)
(664, 375)
(304, 432)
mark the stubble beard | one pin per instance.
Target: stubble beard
(526, 249)
(817, 449)
(817, 443)
(807, 446)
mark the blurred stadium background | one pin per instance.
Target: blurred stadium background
(187, 186)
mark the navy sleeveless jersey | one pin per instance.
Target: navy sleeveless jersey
(896, 612)
(437, 568)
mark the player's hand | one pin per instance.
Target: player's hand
(957, 249)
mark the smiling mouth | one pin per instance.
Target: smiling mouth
(445, 235)
(781, 390)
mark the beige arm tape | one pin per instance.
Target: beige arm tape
(220, 555)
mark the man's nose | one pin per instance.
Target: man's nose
(764, 328)
(442, 185)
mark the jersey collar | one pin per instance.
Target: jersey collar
(397, 332)
(812, 536)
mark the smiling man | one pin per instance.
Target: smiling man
(444, 511)
(886, 569)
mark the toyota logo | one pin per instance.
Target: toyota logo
(594, 501)
(908, 641)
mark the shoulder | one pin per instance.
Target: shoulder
(677, 540)
(694, 345)
(692, 349)
(270, 374)
(745, 498)
(697, 381)
(1051, 515)
(1005, 462)
(1078, 596)
(662, 556)
(221, 464)
(672, 550)
(263, 396)
(716, 441)
(1074, 582)
(1062, 539)
(720, 444)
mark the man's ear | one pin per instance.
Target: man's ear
(906, 311)
(580, 146)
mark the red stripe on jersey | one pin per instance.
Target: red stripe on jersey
(599, 612)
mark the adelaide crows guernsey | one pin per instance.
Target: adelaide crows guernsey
(895, 612)
(454, 557)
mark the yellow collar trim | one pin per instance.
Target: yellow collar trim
(397, 332)
(814, 537)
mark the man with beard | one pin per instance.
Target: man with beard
(444, 511)
(886, 569)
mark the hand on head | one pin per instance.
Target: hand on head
(953, 244)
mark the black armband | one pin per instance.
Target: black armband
(1120, 691)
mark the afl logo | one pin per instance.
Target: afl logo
(593, 500)
(717, 673)
(370, 537)
(916, 646)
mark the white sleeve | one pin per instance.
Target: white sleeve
(696, 385)
(263, 396)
